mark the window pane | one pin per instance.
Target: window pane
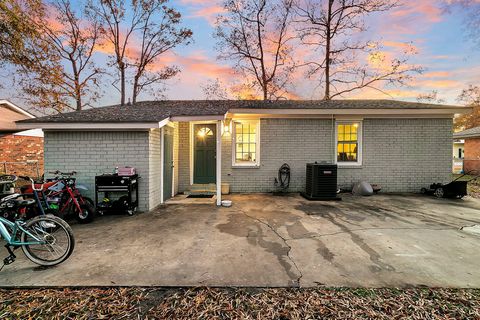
(245, 135)
(347, 142)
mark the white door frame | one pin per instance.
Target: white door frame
(192, 142)
(162, 164)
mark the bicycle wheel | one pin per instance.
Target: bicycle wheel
(58, 237)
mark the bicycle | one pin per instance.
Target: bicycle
(63, 198)
(46, 240)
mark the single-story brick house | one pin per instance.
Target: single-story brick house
(176, 145)
(21, 152)
(471, 148)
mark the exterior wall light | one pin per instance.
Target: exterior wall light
(226, 126)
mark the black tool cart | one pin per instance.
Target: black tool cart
(113, 183)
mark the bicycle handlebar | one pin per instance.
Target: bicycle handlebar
(32, 182)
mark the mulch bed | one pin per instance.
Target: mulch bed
(232, 303)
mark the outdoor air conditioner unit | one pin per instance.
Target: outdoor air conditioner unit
(321, 182)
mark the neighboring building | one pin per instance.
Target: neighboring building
(471, 158)
(458, 152)
(178, 145)
(21, 152)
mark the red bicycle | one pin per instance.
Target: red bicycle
(62, 197)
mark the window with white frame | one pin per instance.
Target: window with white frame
(245, 143)
(349, 142)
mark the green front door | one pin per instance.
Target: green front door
(167, 162)
(204, 151)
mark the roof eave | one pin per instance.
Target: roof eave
(426, 111)
(92, 125)
(17, 108)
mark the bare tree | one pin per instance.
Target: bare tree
(430, 97)
(332, 27)
(215, 90)
(112, 14)
(255, 35)
(160, 32)
(52, 55)
(75, 43)
(152, 23)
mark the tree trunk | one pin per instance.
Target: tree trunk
(327, 52)
(265, 93)
(79, 102)
(135, 90)
(122, 84)
(77, 89)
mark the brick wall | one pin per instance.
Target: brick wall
(471, 159)
(93, 153)
(16, 148)
(402, 155)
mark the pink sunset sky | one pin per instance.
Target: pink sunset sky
(450, 59)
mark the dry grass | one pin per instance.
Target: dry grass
(231, 303)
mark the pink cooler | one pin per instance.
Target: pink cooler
(126, 171)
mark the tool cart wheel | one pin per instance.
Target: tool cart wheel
(132, 211)
(439, 192)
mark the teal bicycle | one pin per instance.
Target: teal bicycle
(46, 240)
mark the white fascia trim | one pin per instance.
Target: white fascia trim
(467, 136)
(450, 111)
(197, 118)
(17, 109)
(88, 126)
(164, 122)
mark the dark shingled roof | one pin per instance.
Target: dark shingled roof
(155, 111)
(469, 133)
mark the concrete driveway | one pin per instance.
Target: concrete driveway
(263, 240)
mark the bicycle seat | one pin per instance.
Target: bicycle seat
(25, 202)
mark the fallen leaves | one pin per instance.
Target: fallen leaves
(235, 303)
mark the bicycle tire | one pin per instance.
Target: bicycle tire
(27, 249)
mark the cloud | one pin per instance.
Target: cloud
(411, 18)
(206, 9)
(437, 74)
(401, 46)
(428, 10)
(209, 13)
(194, 66)
(438, 84)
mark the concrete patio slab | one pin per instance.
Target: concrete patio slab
(264, 240)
